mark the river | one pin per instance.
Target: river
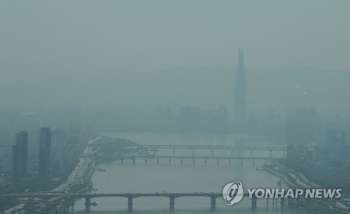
(187, 177)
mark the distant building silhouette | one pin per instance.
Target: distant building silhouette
(189, 114)
(240, 89)
(45, 152)
(300, 124)
(337, 145)
(20, 156)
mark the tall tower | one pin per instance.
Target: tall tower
(240, 89)
(45, 152)
(20, 156)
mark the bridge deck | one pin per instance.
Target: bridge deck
(213, 147)
(127, 195)
(195, 157)
(169, 146)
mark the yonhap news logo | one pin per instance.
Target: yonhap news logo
(233, 193)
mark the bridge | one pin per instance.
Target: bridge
(129, 196)
(204, 158)
(212, 148)
(172, 196)
(169, 146)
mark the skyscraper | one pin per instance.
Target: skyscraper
(45, 152)
(240, 89)
(20, 156)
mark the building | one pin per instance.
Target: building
(57, 168)
(20, 156)
(337, 145)
(45, 152)
(300, 124)
(189, 114)
(240, 105)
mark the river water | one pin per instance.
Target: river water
(153, 177)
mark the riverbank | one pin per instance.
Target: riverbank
(294, 179)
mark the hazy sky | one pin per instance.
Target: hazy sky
(152, 35)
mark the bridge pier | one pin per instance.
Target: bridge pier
(72, 205)
(229, 162)
(122, 160)
(87, 204)
(172, 203)
(130, 203)
(192, 152)
(217, 161)
(212, 152)
(291, 202)
(212, 203)
(205, 161)
(253, 162)
(133, 160)
(241, 161)
(157, 161)
(282, 202)
(254, 200)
